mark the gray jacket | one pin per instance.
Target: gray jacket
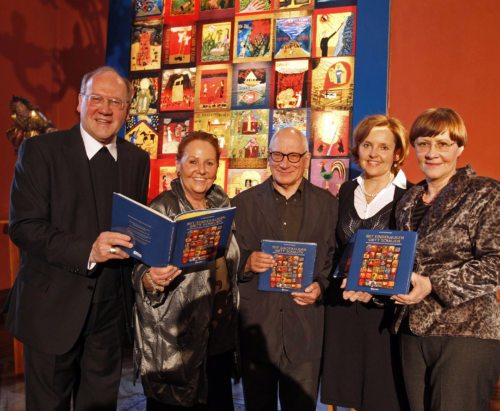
(194, 317)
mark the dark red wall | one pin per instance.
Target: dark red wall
(45, 47)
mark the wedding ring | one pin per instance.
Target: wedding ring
(112, 250)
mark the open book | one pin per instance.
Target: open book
(293, 269)
(192, 238)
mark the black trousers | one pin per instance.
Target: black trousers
(449, 373)
(296, 384)
(89, 374)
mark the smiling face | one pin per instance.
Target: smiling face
(197, 169)
(438, 165)
(377, 152)
(101, 121)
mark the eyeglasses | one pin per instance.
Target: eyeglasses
(278, 156)
(98, 100)
(425, 145)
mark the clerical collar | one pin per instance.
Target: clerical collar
(92, 146)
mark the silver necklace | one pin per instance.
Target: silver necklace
(376, 193)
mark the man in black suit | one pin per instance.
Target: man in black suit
(69, 302)
(281, 334)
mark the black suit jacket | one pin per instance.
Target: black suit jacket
(53, 220)
(270, 321)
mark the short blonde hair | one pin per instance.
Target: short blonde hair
(396, 128)
(435, 121)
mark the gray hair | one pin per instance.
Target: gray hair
(104, 69)
(293, 131)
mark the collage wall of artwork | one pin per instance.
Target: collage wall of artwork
(241, 70)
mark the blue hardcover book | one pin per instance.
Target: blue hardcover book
(382, 261)
(192, 238)
(293, 269)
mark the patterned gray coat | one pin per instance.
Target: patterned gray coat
(177, 329)
(459, 250)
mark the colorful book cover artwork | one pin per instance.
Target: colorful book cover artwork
(253, 6)
(174, 128)
(332, 84)
(177, 89)
(251, 85)
(291, 83)
(297, 118)
(217, 123)
(145, 49)
(148, 9)
(334, 32)
(329, 173)
(239, 180)
(252, 39)
(292, 4)
(330, 132)
(145, 96)
(142, 131)
(293, 37)
(215, 42)
(249, 136)
(213, 87)
(179, 45)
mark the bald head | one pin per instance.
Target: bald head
(290, 133)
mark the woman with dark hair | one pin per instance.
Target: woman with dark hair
(185, 319)
(450, 320)
(360, 357)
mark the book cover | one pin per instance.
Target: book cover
(177, 89)
(179, 45)
(142, 131)
(330, 132)
(215, 42)
(251, 85)
(293, 37)
(332, 83)
(192, 238)
(329, 173)
(291, 83)
(145, 48)
(334, 32)
(293, 269)
(252, 38)
(145, 95)
(382, 261)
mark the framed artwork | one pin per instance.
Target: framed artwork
(216, 9)
(334, 32)
(142, 131)
(179, 44)
(332, 84)
(293, 37)
(178, 89)
(179, 12)
(293, 4)
(148, 10)
(145, 48)
(145, 95)
(213, 87)
(251, 85)
(215, 42)
(330, 132)
(252, 38)
(329, 173)
(298, 118)
(249, 135)
(217, 123)
(173, 128)
(291, 83)
(239, 180)
(163, 171)
(253, 6)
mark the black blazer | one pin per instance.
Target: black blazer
(270, 321)
(53, 220)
